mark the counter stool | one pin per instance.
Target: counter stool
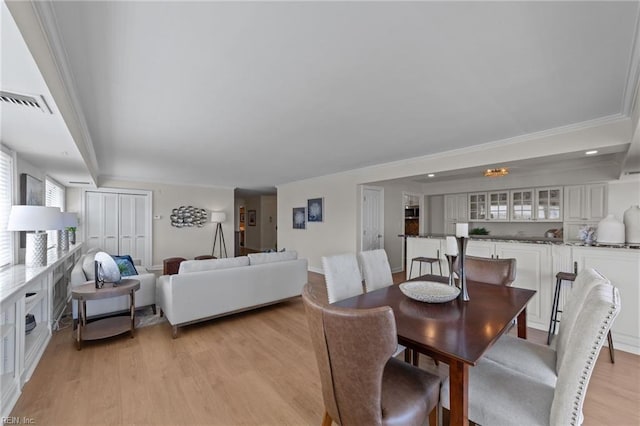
(571, 277)
(429, 260)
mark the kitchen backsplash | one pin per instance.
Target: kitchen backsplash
(524, 229)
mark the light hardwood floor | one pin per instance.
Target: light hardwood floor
(248, 369)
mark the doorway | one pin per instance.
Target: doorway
(372, 233)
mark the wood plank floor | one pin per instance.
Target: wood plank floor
(255, 368)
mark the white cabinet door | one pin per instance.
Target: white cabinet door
(461, 208)
(596, 201)
(573, 204)
(549, 204)
(133, 225)
(480, 248)
(622, 268)
(522, 201)
(585, 202)
(101, 217)
(498, 203)
(477, 206)
(533, 272)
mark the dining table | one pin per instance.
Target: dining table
(457, 333)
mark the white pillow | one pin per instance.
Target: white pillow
(212, 264)
(88, 265)
(260, 258)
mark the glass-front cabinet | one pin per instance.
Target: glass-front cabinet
(499, 206)
(9, 376)
(549, 204)
(478, 206)
(522, 205)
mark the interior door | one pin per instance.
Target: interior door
(133, 225)
(372, 219)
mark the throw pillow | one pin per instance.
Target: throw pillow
(126, 266)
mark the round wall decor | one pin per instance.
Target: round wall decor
(188, 216)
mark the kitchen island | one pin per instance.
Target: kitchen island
(538, 260)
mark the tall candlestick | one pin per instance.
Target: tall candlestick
(462, 277)
(462, 230)
(452, 246)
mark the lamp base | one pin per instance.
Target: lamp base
(36, 250)
(63, 240)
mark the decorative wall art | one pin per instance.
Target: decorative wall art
(252, 217)
(31, 194)
(315, 209)
(299, 218)
(188, 217)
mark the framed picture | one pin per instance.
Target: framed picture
(242, 217)
(31, 194)
(252, 217)
(315, 209)
(299, 218)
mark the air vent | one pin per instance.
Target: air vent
(35, 102)
(635, 172)
(75, 182)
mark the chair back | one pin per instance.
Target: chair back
(593, 321)
(342, 276)
(376, 269)
(492, 271)
(352, 347)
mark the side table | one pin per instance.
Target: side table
(106, 327)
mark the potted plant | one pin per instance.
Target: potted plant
(72, 234)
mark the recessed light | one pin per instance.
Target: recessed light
(593, 151)
(430, 175)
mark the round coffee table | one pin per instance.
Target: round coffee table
(106, 327)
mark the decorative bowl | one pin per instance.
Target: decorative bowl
(429, 291)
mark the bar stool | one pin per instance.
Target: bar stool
(571, 277)
(429, 260)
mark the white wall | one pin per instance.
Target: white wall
(169, 241)
(339, 232)
(622, 195)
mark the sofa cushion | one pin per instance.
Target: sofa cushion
(260, 258)
(212, 264)
(125, 265)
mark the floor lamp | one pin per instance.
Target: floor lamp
(218, 218)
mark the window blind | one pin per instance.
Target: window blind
(6, 200)
(54, 197)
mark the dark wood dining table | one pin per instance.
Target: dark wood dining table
(457, 333)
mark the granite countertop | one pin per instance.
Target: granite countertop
(527, 239)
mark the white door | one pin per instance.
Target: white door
(102, 221)
(133, 226)
(372, 219)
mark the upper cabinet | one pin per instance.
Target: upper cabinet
(521, 205)
(477, 206)
(455, 210)
(585, 202)
(499, 206)
(549, 204)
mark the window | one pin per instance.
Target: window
(54, 197)
(6, 200)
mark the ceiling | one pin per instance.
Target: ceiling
(256, 94)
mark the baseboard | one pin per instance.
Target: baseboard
(316, 270)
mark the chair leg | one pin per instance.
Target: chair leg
(433, 416)
(610, 339)
(407, 355)
(326, 420)
(440, 266)
(416, 358)
(411, 269)
(554, 311)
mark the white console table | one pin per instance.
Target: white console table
(49, 291)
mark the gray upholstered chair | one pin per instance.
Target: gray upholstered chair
(519, 382)
(492, 271)
(342, 276)
(361, 383)
(376, 269)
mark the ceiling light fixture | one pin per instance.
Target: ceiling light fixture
(430, 175)
(593, 151)
(503, 171)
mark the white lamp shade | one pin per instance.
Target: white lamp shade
(218, 217)
(34, 218)
(69, 219)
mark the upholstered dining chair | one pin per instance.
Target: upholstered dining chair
(362, 384)
(342, 276)
(492, 271)
(377, 274)
(537, 385)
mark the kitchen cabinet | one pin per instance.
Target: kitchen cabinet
(534, 271)
(455, 210)
(498, 206)
(585, 202)
(549, 204)
(521, 205)
(477, 206)
(621, 267)
(9, 368)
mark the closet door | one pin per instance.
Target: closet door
(102, 221)
(133, 239)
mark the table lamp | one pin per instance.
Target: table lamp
(68, 220)
(218, 218)
(38, 219)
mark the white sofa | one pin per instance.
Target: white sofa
(83, 271)
(205, 289)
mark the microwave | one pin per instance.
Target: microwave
(411, 212)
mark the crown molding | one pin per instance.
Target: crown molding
(629, 98)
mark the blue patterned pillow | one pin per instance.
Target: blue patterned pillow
(126, 266)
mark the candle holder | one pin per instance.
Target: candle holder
(450, 260)
(462, 247)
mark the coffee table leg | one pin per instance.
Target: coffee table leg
(80, 324)
(133, 312)
(459, 393)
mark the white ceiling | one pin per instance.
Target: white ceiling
(255, 94)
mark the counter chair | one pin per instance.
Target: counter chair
(429, 260)
(362, 384)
